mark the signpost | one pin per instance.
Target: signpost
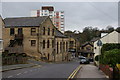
(99, 43)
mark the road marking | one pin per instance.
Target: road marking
(10, 76)
(74, 73)
(18, 73)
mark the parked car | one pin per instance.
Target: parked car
(91, 59)
(81, 57)
(84, 60)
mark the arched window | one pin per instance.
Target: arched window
(48, 44)
(43, 30)
(66, 46)
(43, 44)
(48, 31)
(52, 43)
(61, 46)
(57, 47)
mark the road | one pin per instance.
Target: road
(51, 70)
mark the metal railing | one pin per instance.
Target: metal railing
(19, 36)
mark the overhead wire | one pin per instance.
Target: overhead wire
(101, 11)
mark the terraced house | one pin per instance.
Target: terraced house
(35, 36)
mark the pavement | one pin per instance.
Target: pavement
(90, 71)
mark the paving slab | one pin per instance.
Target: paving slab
(90, 71)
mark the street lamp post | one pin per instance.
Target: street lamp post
(99, 43)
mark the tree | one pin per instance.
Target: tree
(109, 29)
(112, 57)
(90, 32)
(87, 35)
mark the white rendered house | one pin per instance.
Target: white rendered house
(113, 37)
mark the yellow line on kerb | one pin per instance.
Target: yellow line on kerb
(74, 73)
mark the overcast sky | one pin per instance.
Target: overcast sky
(77, 14)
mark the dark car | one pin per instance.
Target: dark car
(84, 61)
(81, 57)
(91, 59)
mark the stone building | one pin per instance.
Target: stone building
(74, 42)
(86, 50)
(72, 47)
(1, 31)
(62, 46)
(35, 36)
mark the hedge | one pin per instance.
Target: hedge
(112, 57)
(110, 46)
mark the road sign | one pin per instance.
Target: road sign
(99, 43)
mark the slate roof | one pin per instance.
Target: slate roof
(95, 39)
(29, 22)
(86, 43)
(24, 21)
(59, 34)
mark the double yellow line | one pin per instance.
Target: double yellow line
(74, 72)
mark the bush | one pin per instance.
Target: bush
(109, 46)
(112, 57)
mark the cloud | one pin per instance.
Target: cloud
(77, 14)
